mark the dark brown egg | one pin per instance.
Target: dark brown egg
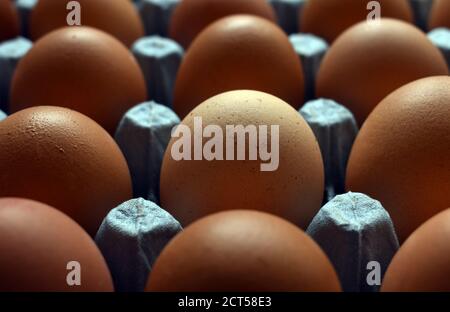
(372, 59)
(9, 20)
(401, 156)
(83, 69)
(422, 263)
(242, 251)
(62, 158)
(118, 18)
(192, 16)
(440, 14)
(239, 52)
(39, 246)
(329, 18)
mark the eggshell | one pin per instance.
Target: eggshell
(372, 59)
(83, 69)
(401, 155)
(239, 52)
(190, 17)
(37, 242)
(423, 262)
(118, 18)
(242, 251)
(62, 158)
(329, 18)
(192, 189)
(440, 14)
(9, 20)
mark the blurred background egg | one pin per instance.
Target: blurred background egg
(239, 52)
(9, 20)
(62, 158)
(329, 18)
(294, 190)
(401, 156)
(422, 263)
(118, 18)
(440, 14)
(242, 251)
(192, 16)
(83, 69)
(372, 59)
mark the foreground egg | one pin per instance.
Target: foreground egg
(440, 14)
(118, 18)
(41, 249)
(62, 158)
(372, 59)
(192, 16)
(401, 156)
(242, 251)
(9, 20)
(83, 69)
(423, 262)
(288, 182)
(239, 52)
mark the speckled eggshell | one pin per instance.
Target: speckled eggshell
(440, 14)
(118, 18)
(9, 20)
(239, 52)
(242, 251)
(372, 59)
(83, 69)
(423, 262)
(192, 189)
(62, 158)
(192, 16)
(401, 156)
(37, 242)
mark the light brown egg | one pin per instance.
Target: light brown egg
(401, 156)
(440, 14)
(83, 69)
(372, 59)
(239, 52)
(118, 18)
(38, 244)
(423, 262)
(329, 18)
(242, 251)
(9, 20)
(292, 188)
(192, 16)
(62, 158)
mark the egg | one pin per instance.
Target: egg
(401, 156)
(41, 249)
(190, 17)
(372, 59)
(440, 14)
(118, 18)
(422, 263)
(292, 188)
(83, 69)
(239, 52)
(242, 251)
(329, 18)
(64, 159)
(9, 20)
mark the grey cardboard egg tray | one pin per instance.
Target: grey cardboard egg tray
(354, 230)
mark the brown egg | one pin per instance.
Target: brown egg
(329, 18)
(440, 14)
(239, 52)
(118, 18)
(372, 59)
(242, 250)
(401, 156)
(9, 20)
(422, 263)
(192, 16)
(38, 244)
(62, 158)
(292, 188)
(83, 69)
